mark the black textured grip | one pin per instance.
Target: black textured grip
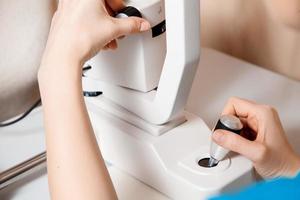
(221, 126)
(159, 29)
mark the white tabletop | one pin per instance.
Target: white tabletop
(219, 77)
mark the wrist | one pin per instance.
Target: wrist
(57, 68)
(64, 46)
(292, 167)
(295, 169)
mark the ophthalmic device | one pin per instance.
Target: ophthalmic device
(140, 120)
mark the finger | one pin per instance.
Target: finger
(244, 109)
(250, 123)
(126, 26)
(115, 5)
(234, 142)
(239, 107)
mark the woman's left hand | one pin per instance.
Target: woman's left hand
(81, 28)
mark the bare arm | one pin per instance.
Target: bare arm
(75, 166)
(80, 29)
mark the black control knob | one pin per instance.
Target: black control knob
(129, 11)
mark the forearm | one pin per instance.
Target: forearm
(78, 31)
(75, 166)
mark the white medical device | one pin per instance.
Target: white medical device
(143, 63)
(140, 118)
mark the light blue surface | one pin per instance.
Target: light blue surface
(276, 189)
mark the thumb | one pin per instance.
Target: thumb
(129, 25)
(234, 142)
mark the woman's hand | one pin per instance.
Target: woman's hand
(269, 149)
(81, 28)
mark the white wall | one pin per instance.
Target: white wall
(23, 32)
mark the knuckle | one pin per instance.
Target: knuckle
(233, 99)
(113, 28)
(236, 100)
(134, 25)
(268, 110)
(232, 143)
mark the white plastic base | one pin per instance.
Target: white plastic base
(120, 112)
(169, 162)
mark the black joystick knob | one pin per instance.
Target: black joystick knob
(129, 11)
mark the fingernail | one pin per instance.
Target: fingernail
(145, 26)
(218, 136)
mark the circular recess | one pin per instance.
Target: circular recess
(204, 162)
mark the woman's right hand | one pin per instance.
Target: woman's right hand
(269, 149)
(80, 29)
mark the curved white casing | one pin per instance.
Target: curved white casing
(134, 64)
(168, 163)
(183, 52)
